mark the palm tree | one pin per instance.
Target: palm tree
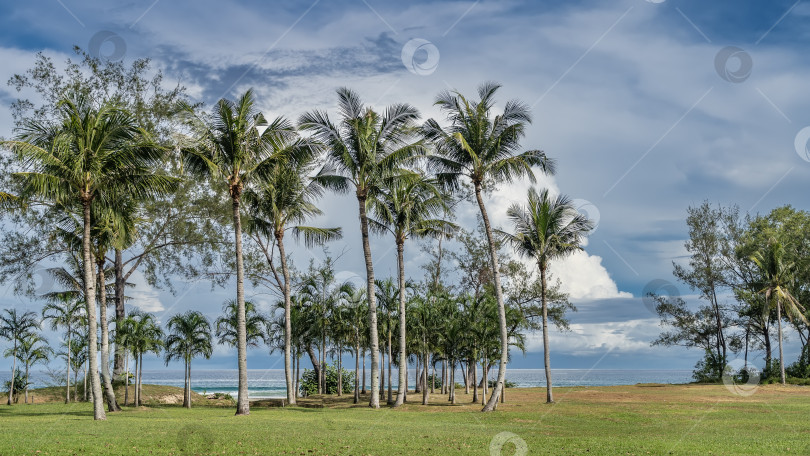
(778, 277)
(145, 337)
(354, 299)
(189, 337)
(92, 154)
(256, 324)
(407, 206)
(237, 150)
(484, 150)
(33, 349)
(15, 327)
(547, 229)
(284, 200)
(388, 297)
(76, 351)
(124, 337)
(362, 151)
(64, 312)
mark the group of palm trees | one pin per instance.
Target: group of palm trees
(96, 163)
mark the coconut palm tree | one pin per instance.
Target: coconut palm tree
(388, 298)
(76, 351)
(484, 149)
(189, 337)
(284, 201)
(15, 327)
(408, 206)
(256, 323)
(33, 349)
(64, 312)
(145, 337)
(354, 300)
(362, 150)
(546, 229)
(124, 337)
(236, 150)
(92, 154)
(777, 278)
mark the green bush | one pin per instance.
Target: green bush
(309, 381)
(19, 384)
(709, 369)
(506, 383)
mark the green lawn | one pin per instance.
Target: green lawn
(628, 420)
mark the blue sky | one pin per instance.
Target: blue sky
(633, 98)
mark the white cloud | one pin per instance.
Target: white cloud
(586, 339)
(143, 296)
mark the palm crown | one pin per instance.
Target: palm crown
(547, 228)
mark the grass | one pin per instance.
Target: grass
(628, 420)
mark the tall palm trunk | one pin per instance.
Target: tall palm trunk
(13, 372)
(185, 382)
(390, 398)
(140, 379)
(473, 382)
(90, 300)
(26, 383)
(382, 371)
(453, 383)
(496, 274)
(357, 369)
(136, 398)
(316, 365)
(433, 381)
(364, 370)
(403, 355)
(119, 360)
(546, 350)
(322, 379)
(242, 402)
(297, 372)
(340, 374)
(425, 390)
(287, 320)
(67, 379)
(126, 378)
(84, 393)
(189, 383)
(109, 394)
(372, 305)
(779, 326)
(485, 379)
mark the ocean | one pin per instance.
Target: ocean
(268, 383)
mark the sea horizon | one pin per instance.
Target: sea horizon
(270, 383)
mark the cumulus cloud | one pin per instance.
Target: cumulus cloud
(142, 295)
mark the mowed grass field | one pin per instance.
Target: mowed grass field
(625, 420)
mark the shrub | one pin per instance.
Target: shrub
(309, 381)
(506, 383)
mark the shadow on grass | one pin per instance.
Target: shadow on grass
(15, 411)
